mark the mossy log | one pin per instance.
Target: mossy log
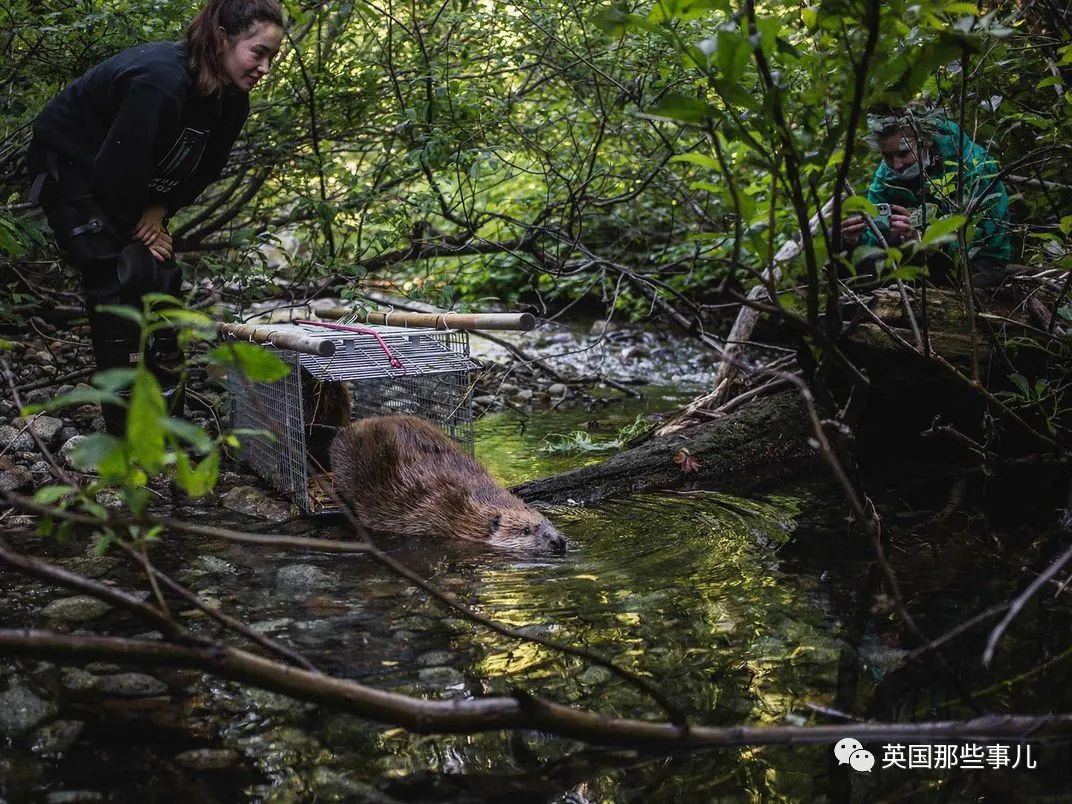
(764, 442)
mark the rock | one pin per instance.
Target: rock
(57, 737)
(15, 439)
(103, 668)
(68, 447)
(75, 679)
(484, 401)
(130, 685)
(213, 565)
(73, 796)
(635, 353)
(434, 658)
(77, 609)
(440, 677)
(594, 675)
(252, 502)
(332, 785)
(46, 427)
(525, 394)
(268, 626)
(41, 474)
(66, 434)
(90, 566)
(207, 759)
(17, 478)
(299, 580)
(557, 389)
(21, 710)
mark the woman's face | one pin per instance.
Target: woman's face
(248, 57)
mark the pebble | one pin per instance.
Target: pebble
(77, 609)
(206, 759)
(69, 447)
(594, 675)
(46, 427)
(21, 710)
(130, 685)
(57, 737)
(301, 580)
(75, 679)
(558, 389)
(15, 439)
(252, 502)
(17, 478)
(441, 677)
(73, 796)
(41, 473)
(434, 658)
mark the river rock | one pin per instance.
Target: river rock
(557, 389)
(434, 657)
(15, 439)
(484, 401)
(208, 759)
(90, 566)
(594, 675)
(75, 679)
(17, 478)
(57, 737)
(21, 710)
(253, 502)
(73, 796)
(41, 474)
(440, 677)
(69, 447)
(299, 580)
(77, 609)
(46, 427)
(332, 785)
(131, 685)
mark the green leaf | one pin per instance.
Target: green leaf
(145, 436)
(942, 229)
(201, 479)
(79, 396)
(703, 160)
(1020, 381)
(48, 495)
(114, 379)
(682, 108)
(254, 362)
(859, 203)
(94, 450)
(188, 432)
(1065, 225)
(123, 311)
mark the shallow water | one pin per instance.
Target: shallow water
(743, 610)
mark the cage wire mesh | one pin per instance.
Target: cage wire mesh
(433, 381)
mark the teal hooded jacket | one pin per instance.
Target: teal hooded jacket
(984, 196)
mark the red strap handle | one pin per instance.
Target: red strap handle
(395, 362)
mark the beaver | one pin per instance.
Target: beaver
(326, 407)
(401, 474)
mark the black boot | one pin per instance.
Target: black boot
(115, 353)
(166, 361)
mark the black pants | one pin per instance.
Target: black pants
(115, 270)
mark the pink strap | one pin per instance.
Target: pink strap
(395, 362)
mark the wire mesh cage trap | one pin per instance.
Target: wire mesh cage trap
(399, 370)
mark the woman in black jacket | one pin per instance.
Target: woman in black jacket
(129, 143)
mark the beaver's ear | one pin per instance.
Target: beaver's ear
(496, 521)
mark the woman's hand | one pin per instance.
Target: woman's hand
(150, 231)
(900, 223)
(851, 229)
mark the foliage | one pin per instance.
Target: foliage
(581, 441)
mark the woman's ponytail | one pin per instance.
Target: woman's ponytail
(207, 34)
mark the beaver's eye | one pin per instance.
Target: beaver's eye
(527, 530)
(495, 522)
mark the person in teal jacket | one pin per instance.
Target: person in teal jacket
(918, 179)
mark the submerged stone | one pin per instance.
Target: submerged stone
(206, 759)
(253, 502)
(21, 710)
(57, 737)
(440, 677)
(131, 685)
(77, 609)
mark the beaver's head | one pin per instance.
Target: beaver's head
(522, 528)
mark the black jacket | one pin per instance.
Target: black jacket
(138, 131)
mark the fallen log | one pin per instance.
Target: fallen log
(764, 442)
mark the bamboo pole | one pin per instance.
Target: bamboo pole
(281, 339)
(522, 322)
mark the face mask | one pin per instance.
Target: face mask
(913, 171)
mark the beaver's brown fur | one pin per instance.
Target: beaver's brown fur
(326, 406)
(402, 475)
